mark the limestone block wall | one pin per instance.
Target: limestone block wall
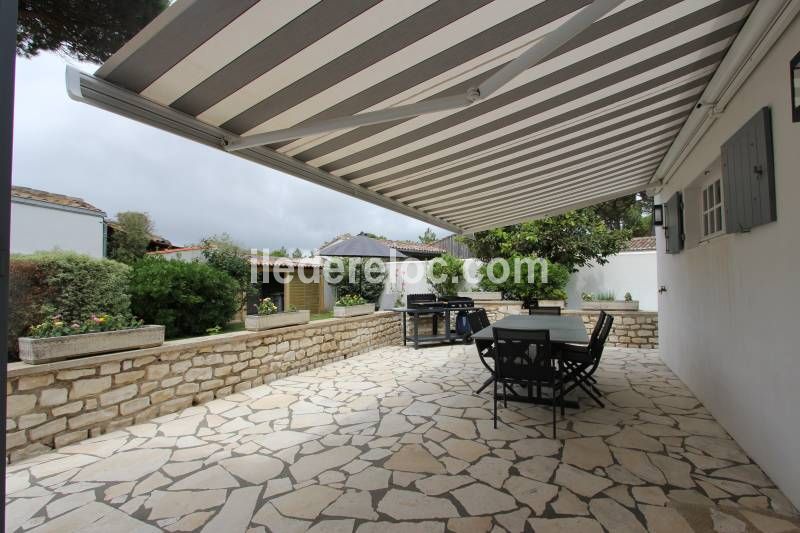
(55, 404)
(631, 329)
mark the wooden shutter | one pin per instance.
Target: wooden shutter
(673, 223)
(748, 175)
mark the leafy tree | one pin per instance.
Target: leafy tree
(633, 212)
(521, 289)
(373, 235)
(359, 283)
(297, 253)
(428, 237)
(445, 275)
(573, 240)
(129, 242)
(87, 30)
(224, 254)
(279, 252)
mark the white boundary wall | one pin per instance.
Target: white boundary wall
(633, 272)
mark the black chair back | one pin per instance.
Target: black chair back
(597, 327)
(513, 359)
(474, 319)
(596, 347)
(554, 310)
(530, 304)
(484, 318)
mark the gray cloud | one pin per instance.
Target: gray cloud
(189, 190)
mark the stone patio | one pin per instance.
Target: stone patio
(395, 441)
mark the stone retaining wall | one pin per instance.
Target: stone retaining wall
(55, 404)
(631, 329)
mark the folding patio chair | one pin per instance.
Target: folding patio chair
(477, 321)
(525, 358)
(581, 362)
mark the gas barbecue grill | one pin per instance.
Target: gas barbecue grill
(421, 305)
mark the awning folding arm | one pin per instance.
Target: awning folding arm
(531, 57)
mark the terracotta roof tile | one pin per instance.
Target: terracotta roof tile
(641, 244)
(409, 246)
(52, 198)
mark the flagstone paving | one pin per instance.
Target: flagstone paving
(395, 440)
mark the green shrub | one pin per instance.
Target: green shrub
(359, 283)
(445, 275)
(72, 285)
(554, 289)
(187, 298)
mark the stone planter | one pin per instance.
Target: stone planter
(482, 296)
(616, 305)
(277, 320)
(340, 311)
(553, 303)
(36, 351)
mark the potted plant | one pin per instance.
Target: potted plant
(352, 305)
(607, 301)
(56, 339)
(268, 317)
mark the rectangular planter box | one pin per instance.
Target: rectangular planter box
(552, 303)
(278, 320)
(617, 305)
(36, 351)
(482, 296)
(353, 310)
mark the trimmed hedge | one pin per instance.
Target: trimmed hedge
(187, 298)
(71, 284)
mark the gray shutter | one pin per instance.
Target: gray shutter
(748, 175)
(673, 223)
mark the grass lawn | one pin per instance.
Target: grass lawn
(322, 316)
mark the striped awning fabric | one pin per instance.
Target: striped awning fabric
(589, 122)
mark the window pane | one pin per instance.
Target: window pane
(719, 218)
(705, 224)
(705, 199)
(717, 193)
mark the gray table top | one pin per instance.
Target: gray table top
(563, 329)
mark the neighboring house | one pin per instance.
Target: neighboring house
(44, 221)
(632, 270)
(157, 242)
(188, 253)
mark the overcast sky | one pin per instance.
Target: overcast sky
(189, 190)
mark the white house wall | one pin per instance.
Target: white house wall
(729, 319)
(35, 229)
(633, 272)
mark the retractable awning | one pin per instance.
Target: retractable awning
(468, 114)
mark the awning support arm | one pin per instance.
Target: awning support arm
(531, 57)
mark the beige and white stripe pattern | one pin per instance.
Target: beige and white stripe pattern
(591, 121)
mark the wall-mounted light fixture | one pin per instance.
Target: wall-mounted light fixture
(658, 215)
(794, 79)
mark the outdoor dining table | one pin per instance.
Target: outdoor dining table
(563, 330)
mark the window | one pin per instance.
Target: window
(711, 209)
